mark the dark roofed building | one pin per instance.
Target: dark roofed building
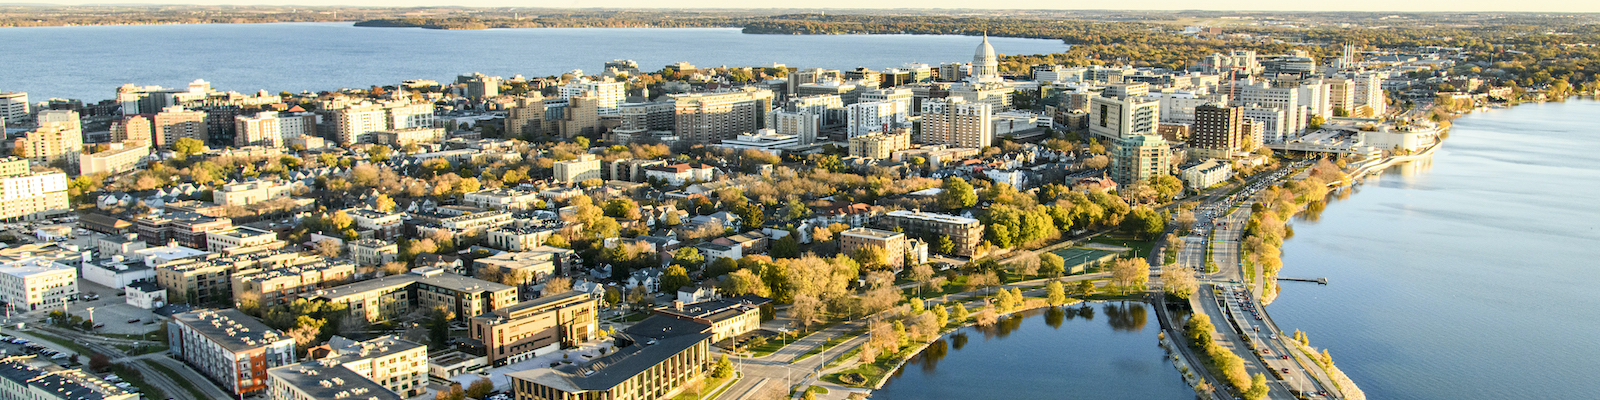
(728, 317)
(654, 359)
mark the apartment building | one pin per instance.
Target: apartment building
(240, 238)
(388, 297)
(261, 129)
(323, 380)
(536, 327)
(120, 157)
(956, 122)
(894, 244)
(23, 381)
(182, 228)
(274, 284)
(964, 232)
(504, 198)
(707, 118)
(175, 122)
(368, 252)
(58, 138)
(234, 350)
(1137, 158)
(879, 145)
(399, 365)
(247, 193)
(1112, 118)
(383, 225)
(580, 169)
(31, 196)
(398, 138)
(37, 283)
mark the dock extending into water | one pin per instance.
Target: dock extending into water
(1322, 281)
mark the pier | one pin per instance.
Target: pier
(1322, 281)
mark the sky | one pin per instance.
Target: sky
(1266, 5)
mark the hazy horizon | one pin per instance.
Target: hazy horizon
(1151, 5)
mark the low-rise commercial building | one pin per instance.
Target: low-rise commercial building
(229, 347)
(37, 283)
(728, 317)
(536, 327)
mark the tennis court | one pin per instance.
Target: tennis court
(1080, 259)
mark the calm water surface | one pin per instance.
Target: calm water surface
(1468, 276)
(89, 62)
(1103, 351)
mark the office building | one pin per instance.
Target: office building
(653, 359)
(1137, 158)
(537, 327)
(810, 75)
(893, 243)
(1125, 90)
(1271, 121)
(879, 145)
(706, 118)
(956, 122)
(1113, 118)
(1262, 94)
(234, 350)
(1341, 94)
(728, 317)
(1369, 92)
(965, 233)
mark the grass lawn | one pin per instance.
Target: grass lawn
(133, 377)
(832, 342)
(870, 373)
(777, 343)
(1140, 247)
(173, 375)
(819, 390)
(710, 384)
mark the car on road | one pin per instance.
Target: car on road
(136, 320)
(1285, 370)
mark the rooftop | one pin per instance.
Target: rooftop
(932, 216)
(230, 328)
(327, 380)
(34, 266)
(348, 350)
(642, 353)
(715, 310)
(871, 233)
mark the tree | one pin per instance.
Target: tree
(556, 285)
(453, 393)
(943, 245)
(688, 256)
(751, 216)
(821, 234)
(1179, 281)
(723, 369)
(959, 313)
(99, 362)
(1130, 273)
(1085, 288)
(871, 257)
(1051, 264)
(1055, 293)
(806, 310)
(479, 388)
(439, 329)
(329, 248)
(957, 194)
(380, 153)
(186, 147)
(1096, 162)
(786, 247)
(743, 282)
(1166, 186)
(384, 203)
(675, 277)
(1258, 388)
(1144, 223)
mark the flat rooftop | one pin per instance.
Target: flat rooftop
(327, 380)
(932, 217)
(33, 266)
(230, 328)
(871, 233)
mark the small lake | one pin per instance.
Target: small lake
(1093, 351)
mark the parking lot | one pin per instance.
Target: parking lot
(113, 311)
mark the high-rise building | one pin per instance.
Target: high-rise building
(1271, 121)
(1111, 118)
(828, 108)
(810, 75)
(175, 122)
(1124, 90)
(707, 118)
(529, 115)
(897, 95)
(1137, 158)
(1286, 99)
(407, 115)
(580, 117)
(479, 86)
(957, 123)
(608, 94)
(59, 137)
(802, 124)
(28, 195)
(133, 128)
(874, 116)
(1217, 131)
(14, 107)
(1341, 94)
(1369, 92)
(1314, 97)
(257, 130)
(354, 124)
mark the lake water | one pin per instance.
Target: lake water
(1468, 276)
(1109, 351)
(90, 62)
